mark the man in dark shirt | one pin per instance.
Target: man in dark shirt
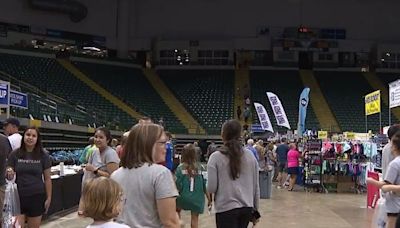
(281, 154)
(5, 149)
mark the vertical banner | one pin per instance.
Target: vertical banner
(263, 117)
(279, 111)
(394, 94)
(303, 104)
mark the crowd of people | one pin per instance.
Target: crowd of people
(139, 186)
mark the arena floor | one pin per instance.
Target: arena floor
(285, 209)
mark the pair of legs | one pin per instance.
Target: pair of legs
(194, 221)
(33, 222)
(293, 177)
(282, 176)
(236, 218)
(391, 220)
(32, 208)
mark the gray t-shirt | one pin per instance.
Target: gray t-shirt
(393, 177)
(387, 157)
(142, 188)
(100, 160)
(231, 194)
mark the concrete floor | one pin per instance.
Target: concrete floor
(285, 209)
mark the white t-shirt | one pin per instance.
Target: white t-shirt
(108, 225)
(15, 141)
(142, 187)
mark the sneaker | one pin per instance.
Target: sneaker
(278, 187)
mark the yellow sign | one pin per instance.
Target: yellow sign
(350, 135)
(373, 103)
(322, 134)
(35, 123)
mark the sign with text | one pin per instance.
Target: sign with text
(4, 93)
(394, 94)
(373, 103)
(18, 99)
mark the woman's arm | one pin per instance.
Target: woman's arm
(111, 167)
(212, 173)
(169, 218)
(376, 183)
(391, 188)
(48, 185)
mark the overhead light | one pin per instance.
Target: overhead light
(383, 60)
(387, 53)
(176, 50)
(91, 48)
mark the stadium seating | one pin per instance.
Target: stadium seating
(49, 76)
(287, 86)
(344, 92)
(206, 94)
(131, 86)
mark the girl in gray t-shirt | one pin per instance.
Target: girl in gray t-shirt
(391, 184)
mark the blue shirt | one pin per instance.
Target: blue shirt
(281, 152)
(253, 150)
(169, 157)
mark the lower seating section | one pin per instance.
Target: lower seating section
(47, 75)
(287, 85)
(206, 94)
(131, 86)
(344, 92)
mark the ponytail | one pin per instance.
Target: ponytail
(233, 149)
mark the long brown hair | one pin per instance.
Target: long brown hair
(189, 159)
(139, 145)
(231, 131)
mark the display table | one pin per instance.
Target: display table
(66, 193)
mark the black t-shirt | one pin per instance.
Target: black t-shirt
(29, 172)
(281, 152)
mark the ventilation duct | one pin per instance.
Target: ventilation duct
(76, 10)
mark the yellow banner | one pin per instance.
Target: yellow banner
(373, 103)
(349, 135)
(322, 134)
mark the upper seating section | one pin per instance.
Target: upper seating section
(287, 85)
(132, 87)
(344, 92)
(49, 76)
(206, 94)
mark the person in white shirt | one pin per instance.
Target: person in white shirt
(11, 126)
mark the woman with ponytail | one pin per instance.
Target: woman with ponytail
(233, 179)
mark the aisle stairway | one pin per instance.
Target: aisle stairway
(321, 108)
(113, 99)
(242, 82)
(377, 84)
(173, 103)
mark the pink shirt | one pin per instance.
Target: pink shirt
(293, 158)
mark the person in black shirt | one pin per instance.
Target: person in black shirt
(30, 163)
(281, 154)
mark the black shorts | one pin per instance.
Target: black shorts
(32, 206)
(392, 214)
(282, 167)
(293, 170)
